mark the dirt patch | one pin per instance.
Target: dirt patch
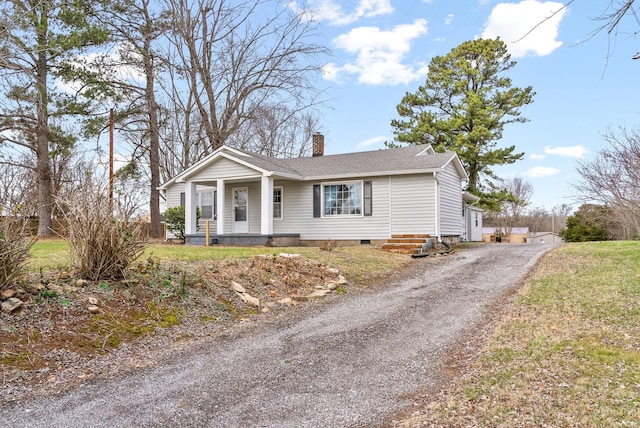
(68, 331)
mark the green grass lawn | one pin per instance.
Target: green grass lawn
(359, 264)
(566, 354)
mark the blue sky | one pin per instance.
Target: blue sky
(584, 83)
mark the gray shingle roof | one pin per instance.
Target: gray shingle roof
(375, 162)
(371, 163)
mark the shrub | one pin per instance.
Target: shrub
(590, 223)
(174, 220)
(101, 244)
(15, 243)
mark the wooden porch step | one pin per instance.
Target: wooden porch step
(406, 240)
(410, 243)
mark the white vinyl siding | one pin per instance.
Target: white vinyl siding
(224, 168)
(298, 200)
(413, 201)
(253, 217)
(450, 201)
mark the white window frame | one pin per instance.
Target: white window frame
(281, 189)
(342, 183)
(213, 203)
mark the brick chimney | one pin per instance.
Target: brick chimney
(318, 144)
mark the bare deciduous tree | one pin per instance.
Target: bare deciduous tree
(18, 187)
(277, 131)
(519, 192)
(612, 178)
(240, 57)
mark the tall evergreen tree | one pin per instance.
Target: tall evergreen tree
(463, 107)
(39, 41)
(137, 28)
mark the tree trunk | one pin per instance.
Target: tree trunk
(43, 166)
(154, 143)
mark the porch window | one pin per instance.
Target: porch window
(207, 204)
(277, 203)
(342, 199)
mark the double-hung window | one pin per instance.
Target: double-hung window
(277, 203)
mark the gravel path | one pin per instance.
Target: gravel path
(353, 363)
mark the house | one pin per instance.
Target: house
(353, 198)
(514, 235)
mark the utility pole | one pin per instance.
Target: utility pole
(111, 120)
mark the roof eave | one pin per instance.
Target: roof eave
(371, 174)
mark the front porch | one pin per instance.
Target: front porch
(245, 240)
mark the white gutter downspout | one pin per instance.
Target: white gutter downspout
(437, 205)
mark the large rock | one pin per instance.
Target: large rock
(11, 304)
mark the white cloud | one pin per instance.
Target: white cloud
(330, 71)
(448, 19)
(380, 54)
(536, 156)
(541, 171)
(371, 142)
(332, 11)
(528, 28)
(577, 152)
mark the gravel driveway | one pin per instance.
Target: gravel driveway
(352, 363)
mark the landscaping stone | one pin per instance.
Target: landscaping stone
(7, 294)
(56, 288)
(93, 309)
(11, 305)
(253, 301)
(237, 287)
(82, 283)
(289, 256)
(34, 288)
(316, 294)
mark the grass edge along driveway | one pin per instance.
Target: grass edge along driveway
(566, 353)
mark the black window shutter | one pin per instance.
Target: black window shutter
(215, 204)
(182, 199)
(368, 207)
(316, 201)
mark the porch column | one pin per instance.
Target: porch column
(190, 204)
(220, 205)
(266, 206)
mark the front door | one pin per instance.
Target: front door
(240, 210)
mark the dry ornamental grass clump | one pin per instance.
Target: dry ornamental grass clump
(15, 243)
(102, 244)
